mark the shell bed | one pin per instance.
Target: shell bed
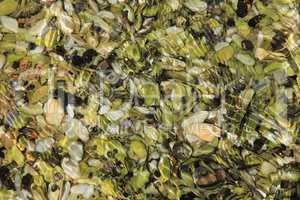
(149, 100)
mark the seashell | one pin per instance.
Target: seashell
(10, 23)
(245, 59)
(66, 23)
(174, 4)
(76, 128)
(71, 168)
(38, 28)
(106, 14)
(84, 189)
(44, 144)
(115, 115)
(196, 5)
(54, 112)
(66, 191)
(261, 53)
(201, 131)
(53, 191)
(137, 150)
(75, 151)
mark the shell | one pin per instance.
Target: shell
(245, 59)
(196, 6)
(84, 189)
(201, 131)
(44, 144)
(9, 23)
(75, 151)
(54, 112)
(7, 7)
(71, 168)
(76, 128)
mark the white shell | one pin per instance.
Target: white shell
(10, 23)
(71, 168)
(66, 191)
(38, 28)
(84, 189)
(54, 112)
(198, 117)
(196, 5)
(76, 151)
(245, 59)
(77, 128)
(66, 23)
(195, 130)
(44, 144)
(174, 4)
(115, 115)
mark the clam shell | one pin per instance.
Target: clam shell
(54, 112)
(71, 168)
(76, 151)
(10, 23)
(84, 189)
(76, 128)
(201, 131)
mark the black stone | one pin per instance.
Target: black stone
(278, 41)
(265, 2)
(258, 144)
(97, 29)
(5, 178)
(197, 34)
(16, 64)
(255, 20)
(54, 187)
(60, 50)
(31, 45)
(24, 130)
(209, 34)
(79, 6)
(247, 45)
(188, 196)
(88, 55)
(4, 171)
(2, 155)
(290, 81)
(230, 22)
(242, 9)
(27, 180)
(77, 60)
(30, 87)
(284, 184)
(79, 101)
